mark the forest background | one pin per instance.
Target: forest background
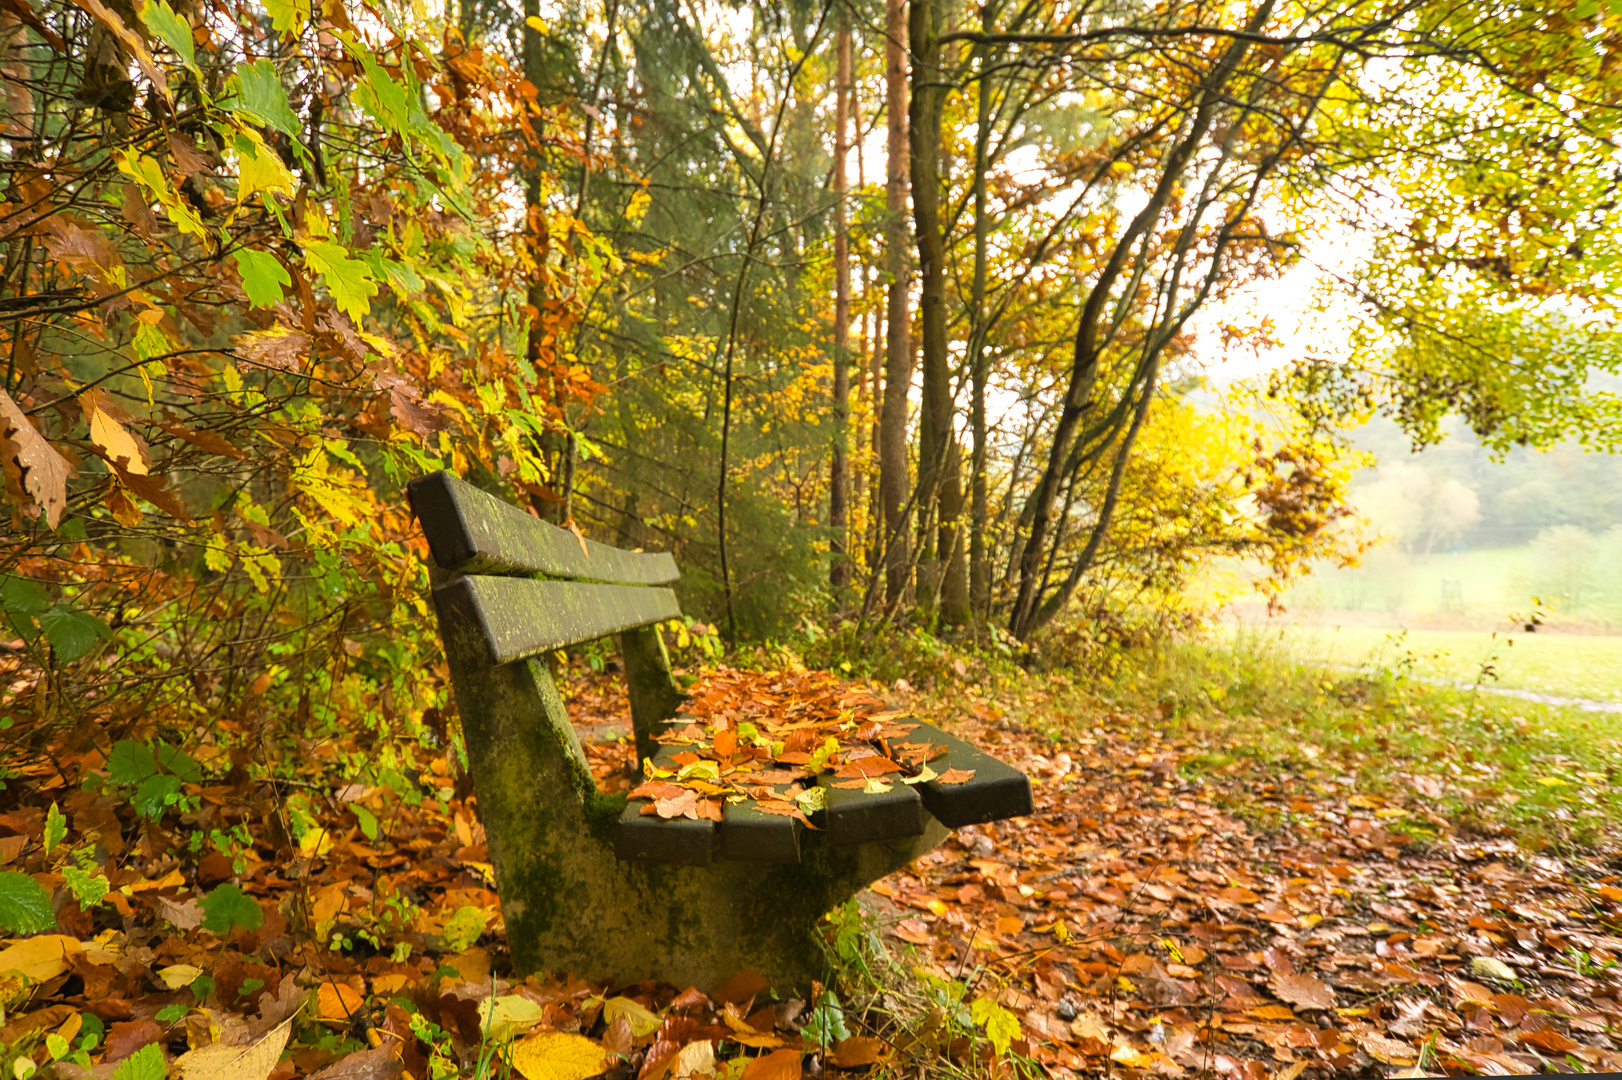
(880, 317)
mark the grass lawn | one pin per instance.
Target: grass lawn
(1564, 665)
(1262, 704)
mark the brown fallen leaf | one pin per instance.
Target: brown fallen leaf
(378, 1064)
(956, 776)
(1303, 991)
(1391, 1051)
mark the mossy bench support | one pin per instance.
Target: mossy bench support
(588, 884)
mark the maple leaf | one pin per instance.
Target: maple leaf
(35, 475)
(349, 280)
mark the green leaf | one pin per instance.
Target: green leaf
(56, 827)
(173, 30)
(25, 906)
(155, 794)
(264, 278)
(826, 1024)
(367, 819)
(72, 633)
(179, 762)
(287, 16)
(87, 886)
(171, 1014)
(145, 1064)
(464, 928)
(131, 762)
(260, 97)
(228, 908)
(21, 596)
(349, 280)
(382, 97)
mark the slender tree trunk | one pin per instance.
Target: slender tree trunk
(839, 470)
(954, 595)
(893, 479)
(979, 514)
(935, 421)
(1084, 366)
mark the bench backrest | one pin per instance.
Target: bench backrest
(524, 586)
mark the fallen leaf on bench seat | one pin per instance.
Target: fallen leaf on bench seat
(784, 809)
(957, 776)
(683, 805)
(867, 766)
(656, 789)
(555, 1055)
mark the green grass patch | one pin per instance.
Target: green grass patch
(1564, 665)
(1245, 703)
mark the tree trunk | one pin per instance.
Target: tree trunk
(893, 481)
(1085, 363)
(935, 421)
(979, 571)
(839, 469)
(954, 595)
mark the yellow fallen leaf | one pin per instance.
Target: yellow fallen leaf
(1551, 781)
(555, 1055)
(642, 1021)
(504, 1018)
(252, 1062)
(41, 958)
(179, 976)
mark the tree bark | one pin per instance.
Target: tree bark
(839, 468)
(893, 480)
(935, 421)
(979, 513)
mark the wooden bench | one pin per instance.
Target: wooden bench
(588, 884)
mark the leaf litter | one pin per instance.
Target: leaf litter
(1137, 923)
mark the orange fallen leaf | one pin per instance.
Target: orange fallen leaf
(956, 776)
(777, 1065)
(337, 1001)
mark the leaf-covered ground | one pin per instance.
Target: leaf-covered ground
(1148, 919)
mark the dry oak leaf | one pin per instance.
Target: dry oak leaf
(36, 476)
(43, 957)
(777, 1065)
(555, 1055)
(378, 1064)
(1303, 991)
(252, 1062)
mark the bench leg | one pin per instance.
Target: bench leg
(653, 692)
